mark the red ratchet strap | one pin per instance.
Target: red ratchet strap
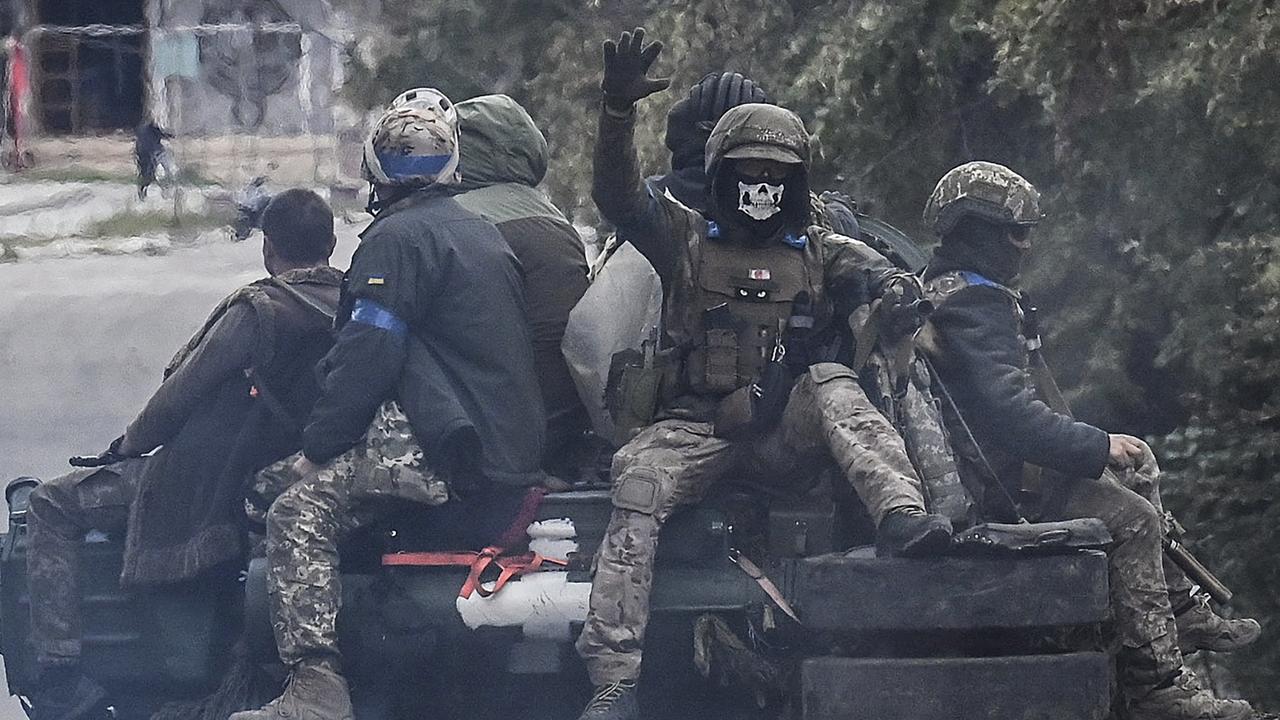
(509, 567)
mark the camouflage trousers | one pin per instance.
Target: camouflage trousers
(1142, 579)
(307, 521)
(62, 510)
(673, 462)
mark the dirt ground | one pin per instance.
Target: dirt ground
(227, 159)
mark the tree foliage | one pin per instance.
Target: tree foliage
(1151, 127)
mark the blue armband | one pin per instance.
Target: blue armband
(369, 312)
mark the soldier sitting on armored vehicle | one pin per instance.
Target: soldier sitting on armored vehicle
(226, 408)
(429, 396)
(503, 158)
(983, 345)
(738, 280)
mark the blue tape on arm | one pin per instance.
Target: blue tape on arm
(369, 312)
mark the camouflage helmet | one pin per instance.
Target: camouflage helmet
(987, 190)
(415, 142)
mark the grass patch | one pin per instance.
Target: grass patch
(149, 222)
(75, 173)
(192, 174)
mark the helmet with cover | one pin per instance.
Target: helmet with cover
(758, 134)
(415, 142)
(984, 190)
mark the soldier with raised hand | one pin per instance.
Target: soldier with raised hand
(745, 283)
(689, 124)
(983, 352)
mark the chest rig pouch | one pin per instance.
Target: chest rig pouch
(744, 295)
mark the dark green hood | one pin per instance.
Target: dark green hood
(499, 144)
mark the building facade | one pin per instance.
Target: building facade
(196, 67)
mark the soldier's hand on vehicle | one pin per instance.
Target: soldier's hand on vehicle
(1125, 451)
(626, 67)
(302, 467)
(109, 456)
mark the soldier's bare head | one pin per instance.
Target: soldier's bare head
(297, 231)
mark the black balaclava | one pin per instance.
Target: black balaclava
(983, 247)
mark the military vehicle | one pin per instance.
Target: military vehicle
(988, 632)
(981, 634)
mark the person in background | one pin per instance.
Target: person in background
(151, 154)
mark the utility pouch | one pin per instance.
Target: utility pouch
(720, 343)
(632, 393)
(638, 382)
(755, 409)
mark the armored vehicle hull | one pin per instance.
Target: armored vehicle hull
(1009, 636)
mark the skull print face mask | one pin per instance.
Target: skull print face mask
(759, 201)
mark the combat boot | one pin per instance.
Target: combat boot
(315, 692)
(1184, 699)
(65, 693)
(615, 701)
(912, 532)
(1200, 628)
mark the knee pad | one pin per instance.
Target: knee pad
(641, 489)
(822, 373)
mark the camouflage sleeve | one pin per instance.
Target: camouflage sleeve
(624, 199)
(980, 358)
(225, 350)
(854, 272)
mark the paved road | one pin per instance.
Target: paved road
(83, 341)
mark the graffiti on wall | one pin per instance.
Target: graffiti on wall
(248, 66)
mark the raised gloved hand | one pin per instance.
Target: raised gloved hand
(107, 457)
(626, 67)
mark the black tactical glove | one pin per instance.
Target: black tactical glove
(626, 64)
(903, 306)
(107, 457)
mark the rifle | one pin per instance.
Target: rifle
(1052, 396)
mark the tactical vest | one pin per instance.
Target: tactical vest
(736, 303)
(292, 310)
(193, 484)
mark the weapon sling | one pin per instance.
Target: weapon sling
(992, 479)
